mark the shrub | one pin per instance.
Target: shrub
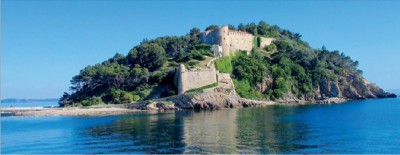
(245, 90)
(251, 68)
(120, 96)
(173, 64)
(136, 98)
(270, 48)
(196, 54)
(158, 76)
(90, 101)
(192, 62)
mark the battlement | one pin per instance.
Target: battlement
(226, 42)
(239, 33)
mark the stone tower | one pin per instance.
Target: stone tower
(223, 40)
(230, 41)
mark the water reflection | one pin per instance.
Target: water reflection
(211, 132)
(270, 130)
(356, 127)
(248, 130)
(147, 133)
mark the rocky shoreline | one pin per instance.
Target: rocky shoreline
(200, 101)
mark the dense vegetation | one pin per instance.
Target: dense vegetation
(289, 64)
(147, 71)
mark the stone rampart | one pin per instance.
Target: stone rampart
(190, 79)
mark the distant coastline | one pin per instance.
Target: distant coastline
(16, 100)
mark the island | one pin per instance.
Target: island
(222, 67)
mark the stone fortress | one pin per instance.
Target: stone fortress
(192, 79)
(224, 43)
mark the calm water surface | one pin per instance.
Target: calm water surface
(371, 126)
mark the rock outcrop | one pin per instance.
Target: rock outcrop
(214, 101)
(198, 101)
(349, 88)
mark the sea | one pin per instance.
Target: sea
(367, 126)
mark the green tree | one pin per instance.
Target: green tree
(262, 28)
(149, 55)
(118, 58)
(231, 27)
(211, 27)
(194, 31)
(252, 28)
(241, 27)
(251, 68)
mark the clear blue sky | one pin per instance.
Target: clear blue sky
(45, 43)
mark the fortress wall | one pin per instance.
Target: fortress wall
(194, 79)
(229, 40)
(266, 41)
(197, 79)
(210, 37)
(239, 41)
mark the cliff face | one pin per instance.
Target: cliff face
(213, 101)
(351, 87)
(198, 101)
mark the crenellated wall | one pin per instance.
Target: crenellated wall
(230, 40)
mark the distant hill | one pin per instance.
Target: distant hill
(15, 100)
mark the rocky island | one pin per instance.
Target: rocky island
(253, 61)
(222, 67)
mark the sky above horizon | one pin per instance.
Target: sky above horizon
(46, 43)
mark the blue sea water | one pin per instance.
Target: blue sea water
(369, 126)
